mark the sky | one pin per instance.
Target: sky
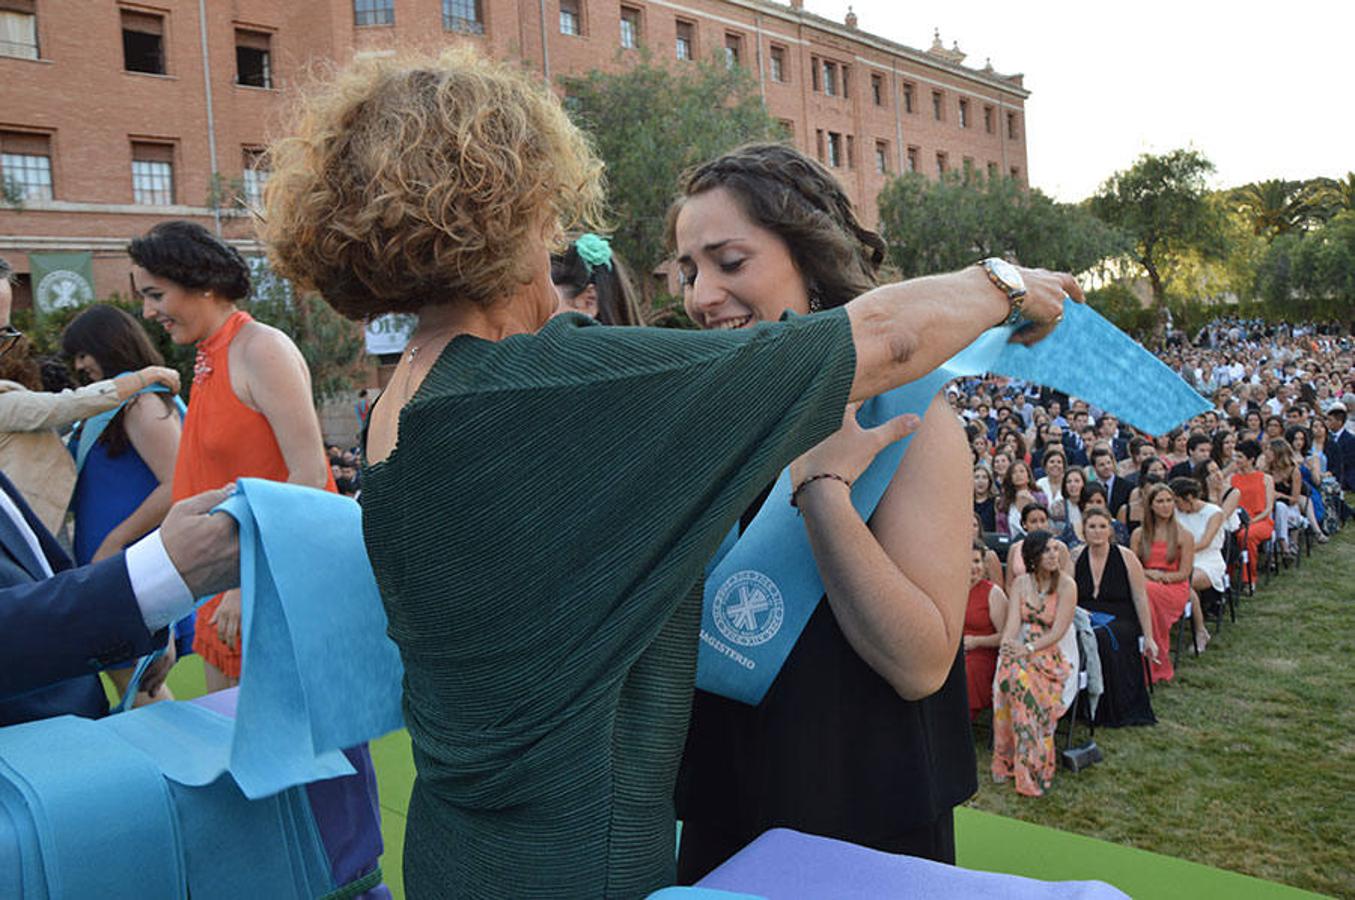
(1261, 90)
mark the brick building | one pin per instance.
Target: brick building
(116, 115)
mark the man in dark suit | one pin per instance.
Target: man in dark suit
(1341, 455)
(1198, 448)
(60, 625)
(1117, 488)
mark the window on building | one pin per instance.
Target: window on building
(733, 50)
(877, 90)
(686, 40)
(941, 164)
(830, 78)
(152, 173)
(143, 42)
(909, 104)
(988, 119)
(964, 113)
(938, 106)
(373, 12)
(1011, 125)
(571, 17)
(254, 175)
(253, 58)
(464, 16)
(818, 143)
(992, 171)
(814, 70)
(835, 149)
(630, 28)
(19, 29)
(912, 159)
(1016, 173)
(26, 165)
(851, 152)
(777, 56)
(882, 157)
(846, 81)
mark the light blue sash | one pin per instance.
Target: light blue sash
(319, 673)
(92, 429)
(761, 589)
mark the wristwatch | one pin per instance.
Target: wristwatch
(1008, 279)
(1030, 648)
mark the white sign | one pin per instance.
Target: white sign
(389, 333)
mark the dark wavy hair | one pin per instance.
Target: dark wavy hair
(1033, 546)
(118, 344)
(191, 256)
(617, 302)
(798, 200)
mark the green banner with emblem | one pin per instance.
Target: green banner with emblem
(61, 280)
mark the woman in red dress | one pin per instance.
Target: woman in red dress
(983, 620)
(1258, 499)
(1167, 552)
(250, 413)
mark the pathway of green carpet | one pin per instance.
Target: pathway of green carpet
(1251, 767)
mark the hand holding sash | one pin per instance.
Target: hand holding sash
(852, 448)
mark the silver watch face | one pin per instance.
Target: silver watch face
(1007, 273)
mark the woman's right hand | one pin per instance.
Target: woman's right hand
(849, 450)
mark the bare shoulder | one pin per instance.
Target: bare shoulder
(260, 342)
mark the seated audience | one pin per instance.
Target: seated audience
(985, 616)
(1167, 552)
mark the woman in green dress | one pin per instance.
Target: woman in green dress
(548, 676)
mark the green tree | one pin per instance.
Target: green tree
(651, 122)
(1161, 204)
(938, 226)
(1312, 275)
(1275, 206)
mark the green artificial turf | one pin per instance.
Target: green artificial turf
(1251, 767)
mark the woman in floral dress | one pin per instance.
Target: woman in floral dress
(1031, 670)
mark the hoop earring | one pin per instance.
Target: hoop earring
(815, 298)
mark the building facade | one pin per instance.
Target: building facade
(117, 115)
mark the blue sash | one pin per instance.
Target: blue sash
(91, 429)
(761, 589)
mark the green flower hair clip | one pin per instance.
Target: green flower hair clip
(594, 251)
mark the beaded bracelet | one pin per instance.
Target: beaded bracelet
(795, 494)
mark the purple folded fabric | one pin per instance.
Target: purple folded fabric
(784, 864)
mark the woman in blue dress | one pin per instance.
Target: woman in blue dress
(125, 458)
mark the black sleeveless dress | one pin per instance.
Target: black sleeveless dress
(1126, 700)
(832, 750)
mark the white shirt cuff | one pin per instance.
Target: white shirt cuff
(160, 590)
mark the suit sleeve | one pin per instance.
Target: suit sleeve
(75, 623)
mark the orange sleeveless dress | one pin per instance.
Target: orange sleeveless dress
(222, 440)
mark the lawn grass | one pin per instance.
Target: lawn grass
(1251, 766)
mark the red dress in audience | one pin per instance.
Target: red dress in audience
(980, 662)
(1166, 604)
(1253, 488)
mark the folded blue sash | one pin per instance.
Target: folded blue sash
(761, 590)
(318, 671)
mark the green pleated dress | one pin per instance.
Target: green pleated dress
(539, 534)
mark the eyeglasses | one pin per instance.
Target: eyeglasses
(9, 336)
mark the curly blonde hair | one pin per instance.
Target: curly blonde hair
(420, 180)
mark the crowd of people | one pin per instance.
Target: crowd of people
(1146, 529)
(540, 494)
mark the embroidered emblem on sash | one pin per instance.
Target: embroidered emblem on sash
(748, 609)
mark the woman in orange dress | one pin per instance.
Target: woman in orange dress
(250, 413)
(1167, 552)
(983, 620)
(1258, 499)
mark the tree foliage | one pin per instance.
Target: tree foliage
(938, 226)
(651, 122)
(1311, 275)
(1276, 206)
(1161, 204)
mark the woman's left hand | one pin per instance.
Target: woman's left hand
(849, 450)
